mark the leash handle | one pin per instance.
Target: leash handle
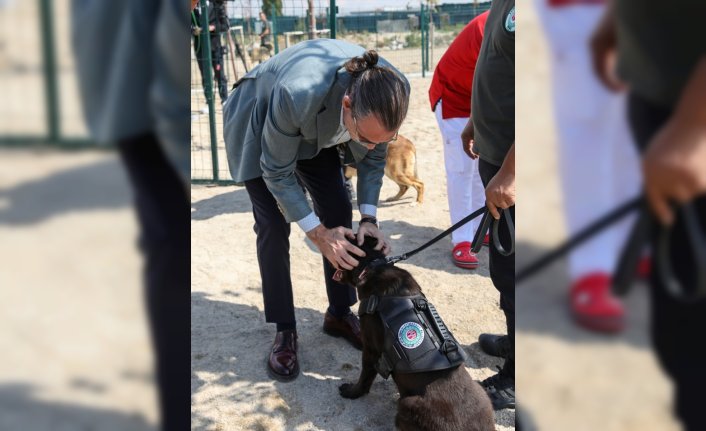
(624, 273)
(695, 239)
(480, 233)
(483, 228)
(511, 229)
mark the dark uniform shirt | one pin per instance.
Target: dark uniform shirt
(659, 45)
(217, 17)
(493, 95)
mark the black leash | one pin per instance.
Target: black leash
(480, 233)
(582, 236)
(639, 238)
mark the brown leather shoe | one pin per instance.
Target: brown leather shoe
(347, 327)
(282, 364)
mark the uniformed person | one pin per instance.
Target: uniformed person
(490, 135)
(217, 24)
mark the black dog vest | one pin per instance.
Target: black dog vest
(416, 339)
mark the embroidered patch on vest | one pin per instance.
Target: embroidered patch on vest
(510, 21)
(410, 335)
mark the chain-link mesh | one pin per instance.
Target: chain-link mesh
(37, 74)
(412, 38)
(22, 110)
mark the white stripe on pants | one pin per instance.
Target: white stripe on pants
(464, 188)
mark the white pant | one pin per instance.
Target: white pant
(464, 188)
(598, 162)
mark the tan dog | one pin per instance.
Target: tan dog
(400, 167)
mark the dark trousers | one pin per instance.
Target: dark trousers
(502, 269)
(219, 75)
(322, 177)
(677, 328)
(163, 212)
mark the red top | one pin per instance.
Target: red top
(453, 76)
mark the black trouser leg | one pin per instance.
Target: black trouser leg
(502, 270)
(163, 213)
(323, 178)
(272, 253)
(677, 328)
(219, 74)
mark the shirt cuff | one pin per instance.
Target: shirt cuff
(309, 222)
(368, 209)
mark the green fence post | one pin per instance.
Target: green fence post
(205, 40)
(421, 28)
(274, 26)
(49, 66)
(332, 18)
(428, 24)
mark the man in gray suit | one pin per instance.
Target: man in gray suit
(282, 125)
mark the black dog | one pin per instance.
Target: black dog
(441, 400)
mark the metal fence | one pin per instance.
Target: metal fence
(413, 39)
(37, 78)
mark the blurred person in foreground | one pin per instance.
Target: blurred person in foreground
(598, 164)
(282, 124)
(217, 24)
(490, 136)
(449, 94)
(661, 61)
(133, 81)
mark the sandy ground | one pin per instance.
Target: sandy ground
(570, 379)
(231, 341)
(73, 334)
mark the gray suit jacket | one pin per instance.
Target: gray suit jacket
(289, 108)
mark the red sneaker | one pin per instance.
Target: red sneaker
(462, 256)
(593, 306)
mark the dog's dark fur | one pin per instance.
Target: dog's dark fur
(447, 400)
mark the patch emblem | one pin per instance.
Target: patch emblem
(510, 21)
(411, 335)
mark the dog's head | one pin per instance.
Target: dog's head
(372, 276)
(355, 276)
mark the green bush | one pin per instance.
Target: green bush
(414, 40)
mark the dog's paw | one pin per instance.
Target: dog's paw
(349, 390)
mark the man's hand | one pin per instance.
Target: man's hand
(335, 247)
(467, 136)
(196, 30)
(603, 49)
(369, 229)
(674, 167)
(500, 192)
(674, 164)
